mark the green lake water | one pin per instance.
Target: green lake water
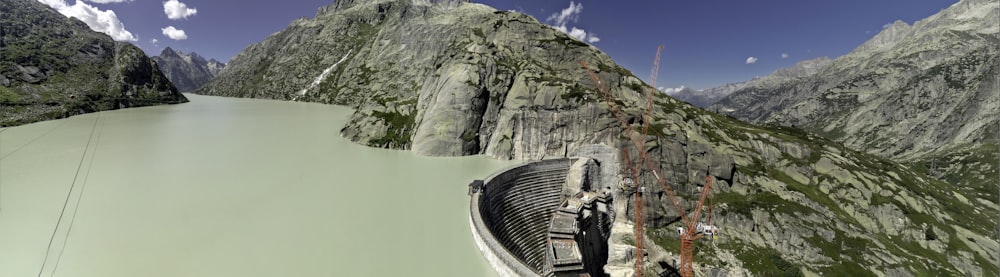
(228, 187)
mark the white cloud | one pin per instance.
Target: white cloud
(784, 55)
(102, 21)
(177, 10)
(578, 33)
(519, 9)
(571, 13)
(672, 91)
(751, 60)
(154, 41)
(174, 33)
(886, 25)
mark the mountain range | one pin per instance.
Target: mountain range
(925, 87)
(449, 77)
(187, 71)
(924, 95)
(704, 97)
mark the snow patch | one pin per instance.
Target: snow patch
(322, 76)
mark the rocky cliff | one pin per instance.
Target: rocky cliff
(52, 67)
(187, 71)
(451, 78)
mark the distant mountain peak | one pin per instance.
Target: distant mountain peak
(169, 51)
(890, 34)
(804, 68)
(187, 71)
(704, 97)
(673, 91)
(340, 5)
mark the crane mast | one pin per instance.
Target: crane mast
(633, 173)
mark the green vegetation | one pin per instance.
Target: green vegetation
(972, 170)
(862, 80)
(622, 72)
(569, 42)
(469, 135)
(499, 23)
(704, 249)
(7, 95)
(365, 33)
(764, 261)
(745, 204)
(579, 94)
(637, 87)
(478, 32)
(550, 79)
(399, 129)
(951, 72)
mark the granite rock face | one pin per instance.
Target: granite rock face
(187, 71)
(52, 67)
(449, 78)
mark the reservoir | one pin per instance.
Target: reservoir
(229, 187)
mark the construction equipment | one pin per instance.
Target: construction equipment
(633, 171)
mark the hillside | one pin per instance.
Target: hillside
(448, 78)
(925, 95)
(908, 92)
(707, 97)
(53, 67)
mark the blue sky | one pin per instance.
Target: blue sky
(706, 42)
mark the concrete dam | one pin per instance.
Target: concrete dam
(543, 219)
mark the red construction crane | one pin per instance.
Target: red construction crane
(693, 229)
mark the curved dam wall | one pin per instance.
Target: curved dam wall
(510, 215)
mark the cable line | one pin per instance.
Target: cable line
(68, 194)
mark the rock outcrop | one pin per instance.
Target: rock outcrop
(187, 71)
(447, 78)
(52, 67)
